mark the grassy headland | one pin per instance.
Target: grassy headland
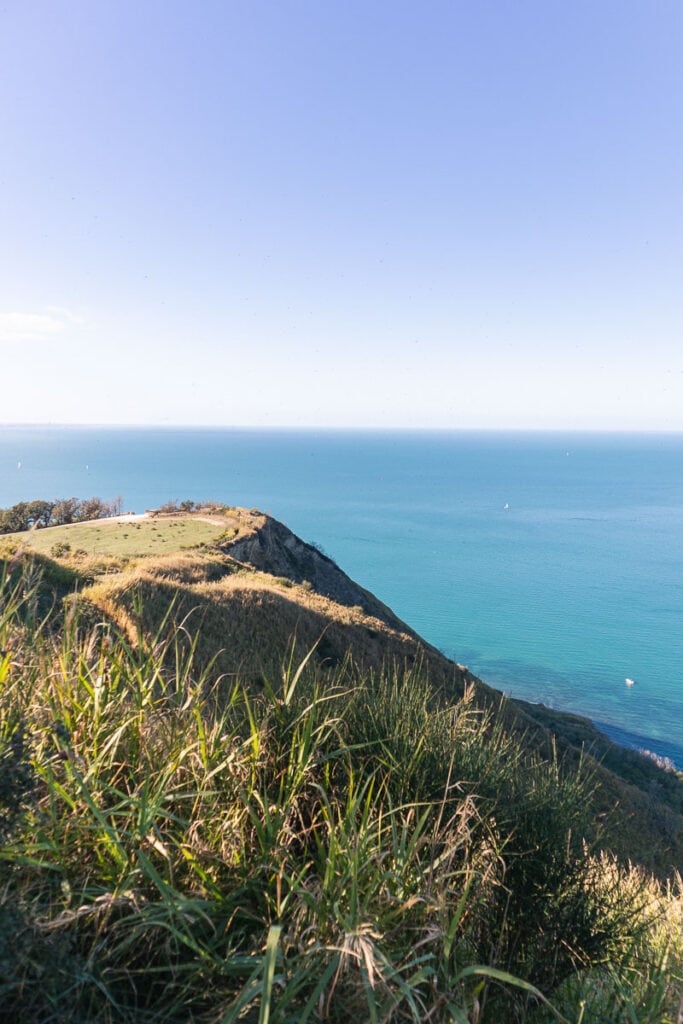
(135, 536)
(124, 538)
(205, 820)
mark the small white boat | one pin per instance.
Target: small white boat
(506, 507)
(629, 682)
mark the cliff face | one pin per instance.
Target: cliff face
(646, 794)
(274, 549)
(249, 592)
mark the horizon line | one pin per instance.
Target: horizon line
(350, 428)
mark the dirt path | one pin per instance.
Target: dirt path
(129, 517)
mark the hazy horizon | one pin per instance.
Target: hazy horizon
(347, 428)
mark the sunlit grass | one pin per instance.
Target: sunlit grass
(342, 846)
(132, 538)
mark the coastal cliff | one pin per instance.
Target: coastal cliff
(252, 586)
(232, 778)
(274, 549)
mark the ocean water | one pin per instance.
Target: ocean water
(558, 598)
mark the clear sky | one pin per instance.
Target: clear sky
(342, 212)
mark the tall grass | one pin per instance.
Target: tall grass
(339, 847)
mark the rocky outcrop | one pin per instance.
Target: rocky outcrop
(274, 549)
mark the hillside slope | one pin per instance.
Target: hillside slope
(255, 586)
(274, 549)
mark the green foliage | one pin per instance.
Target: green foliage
(17, 777)
(30, 515)
(339, 847)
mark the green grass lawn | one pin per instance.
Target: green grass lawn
(125, 539)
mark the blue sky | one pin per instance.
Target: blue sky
(439, 214)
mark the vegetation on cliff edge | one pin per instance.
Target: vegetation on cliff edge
(343, 845)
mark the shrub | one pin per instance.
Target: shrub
(283, 581)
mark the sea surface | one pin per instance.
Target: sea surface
(551, 564)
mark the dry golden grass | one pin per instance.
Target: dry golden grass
(244, 614)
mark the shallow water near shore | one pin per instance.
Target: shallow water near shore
(560, 597)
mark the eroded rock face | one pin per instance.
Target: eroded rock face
(275, 549)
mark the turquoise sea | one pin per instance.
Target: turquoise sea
(558, 598)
